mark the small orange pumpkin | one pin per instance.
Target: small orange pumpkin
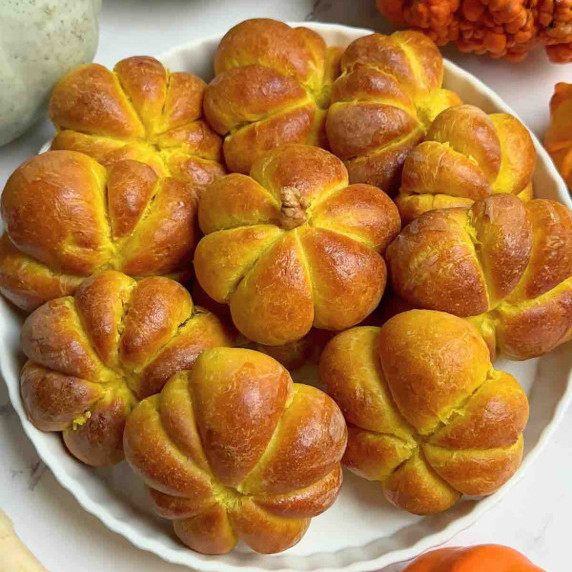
(488, 557)
(558, 139)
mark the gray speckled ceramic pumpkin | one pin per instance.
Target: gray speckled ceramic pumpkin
(40, 40)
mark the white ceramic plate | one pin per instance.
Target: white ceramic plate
(362, 532)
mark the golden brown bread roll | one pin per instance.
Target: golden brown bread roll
(233, 450)
(93, 356)
(383, 102)
(293, 245)
(67, 216)
(139, 111)
(505, 263)
(272, 87)
(427, 414)
(467, 155)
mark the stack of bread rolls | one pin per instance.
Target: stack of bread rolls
(267, 194)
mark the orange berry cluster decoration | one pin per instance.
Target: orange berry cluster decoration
(499, 28)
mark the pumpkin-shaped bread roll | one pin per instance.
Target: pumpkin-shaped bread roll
(427, 414)
(293, 245)
(467, 155)
(303, 352)
(383, 103)
(140, 111)
(67, 216)
(558, 140)
(272, 87)
(505, 264)
(233, 450)
(93, 356)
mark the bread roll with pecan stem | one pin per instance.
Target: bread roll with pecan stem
(293, 246)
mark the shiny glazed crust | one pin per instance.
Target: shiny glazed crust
(427, 414)
(233, 450)
(272, 87)
(504, 263)
(467, 155)
(293, 245)
(383, 103)
(67, 216)
(93, 356)
(138, 111)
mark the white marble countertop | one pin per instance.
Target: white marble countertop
(535, 516)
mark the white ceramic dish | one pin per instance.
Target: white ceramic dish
(361, 532)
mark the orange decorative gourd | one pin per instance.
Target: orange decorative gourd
(489, 557)
(503, 28)
(558, 140)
